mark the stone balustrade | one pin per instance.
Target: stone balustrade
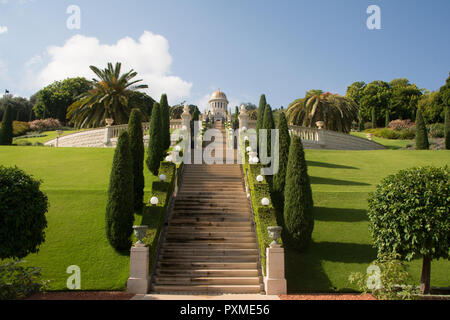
(102, 137)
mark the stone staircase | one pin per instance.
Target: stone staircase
(210, 244)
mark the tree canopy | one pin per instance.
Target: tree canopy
(337, 112)
(109, 97)
(53, 100)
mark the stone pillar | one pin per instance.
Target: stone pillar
(186, 116)
(139, 280)
(243, 118)
(275, 282)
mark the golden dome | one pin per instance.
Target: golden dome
(219, 95)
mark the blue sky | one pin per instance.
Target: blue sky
(245, 47)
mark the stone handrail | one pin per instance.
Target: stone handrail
(102, 137)
(307, 134)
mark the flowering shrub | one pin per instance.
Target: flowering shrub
(437, 130)
(45, 125)
(401, 124)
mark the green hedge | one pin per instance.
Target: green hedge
(264, 216)
(155, 216)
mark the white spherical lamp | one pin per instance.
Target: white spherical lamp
(255, 160)
(244, 129)
(163, 177)
(265, 202)
(168, 159)
(249, 149)
(177, 148)
(154, 201)
(260, 178)
(246, 138)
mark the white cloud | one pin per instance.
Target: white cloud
(3, 29)
(149, 57)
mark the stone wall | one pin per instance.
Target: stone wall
(86, 139)
(331, 140)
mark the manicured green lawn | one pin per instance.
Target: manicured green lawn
(76, 183)
(341, 181)
(49, 135)
(389, 143)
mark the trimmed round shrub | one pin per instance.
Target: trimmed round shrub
(409, 216)
(120, 206)
(22, 214)
(298, 207)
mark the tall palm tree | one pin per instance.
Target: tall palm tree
(337, 112)
(108, 98)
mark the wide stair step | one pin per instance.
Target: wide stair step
(210, 244)
(235, 289)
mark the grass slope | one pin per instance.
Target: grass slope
(48, 135)
(341, 182)
(76, 182)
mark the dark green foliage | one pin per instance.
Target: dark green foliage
(119, 209)
(374, 118)
(18, 282)
(261, 112)
(22, 214)
(421, 133)
(387, 119)
(53, 100)
(155, 148)
(298, 207)
(268, 124)
(165, 122)
(163, 189)
(279, 179)
(6, 131)
(409, 215)
(264, 216)
(22, 108)
(447, 128)
(137, 153)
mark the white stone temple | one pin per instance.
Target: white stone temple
(218, 106)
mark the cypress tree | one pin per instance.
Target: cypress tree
(387, 119)
(154, 154)
(298, 207)
(6, 132)
(268, 124)
(261, 111)
(137, 153)
(447, 128)
(421, 133)
(119, 209)
(279, 180)
(165, 122)
(374, 118)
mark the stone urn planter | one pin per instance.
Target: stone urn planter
(320, 124)
(274, 234)
(140, 233)
(369, 136)
(109, 122)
